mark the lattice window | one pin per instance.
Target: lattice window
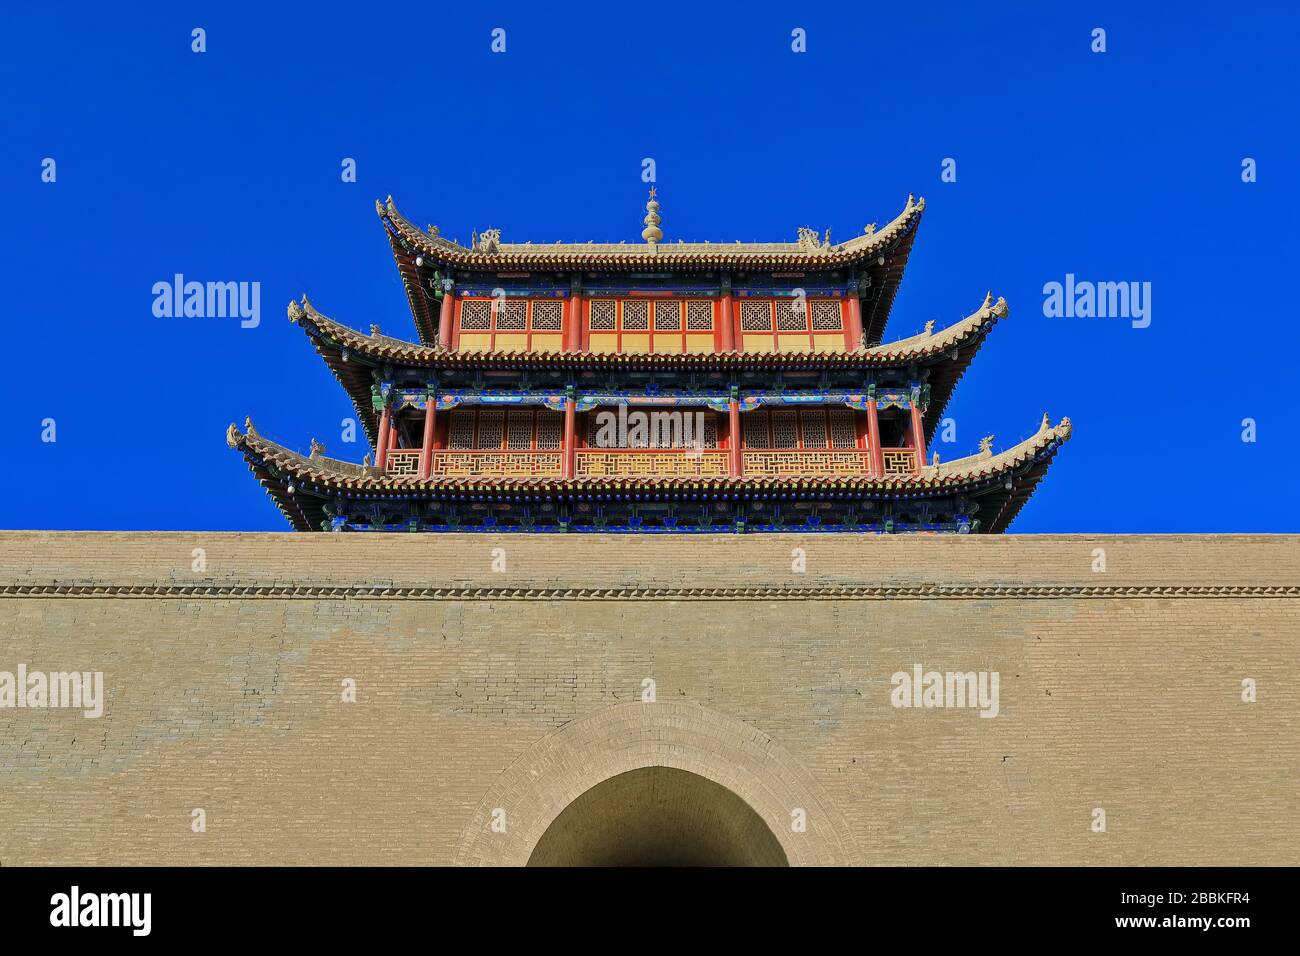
(785, 428)
(602, 315)
(547, 315)
(460, 433)
(791, 315)
(710, 435)
(753, 426)
(550, 429)
(668, 316)
(699, 315)
(813, 422)
(636, 315)
(826, 315)
(476, 315)
(519, 429)
(755, 316)
(491, 424)
(843, 425)
(512, 315)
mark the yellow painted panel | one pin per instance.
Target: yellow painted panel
(514, 342)
(664, 343)
(699, 343)
(793, 343)
(475, 341)
(829, 343)
(603, 342)
(547, 343)
(636, 343)
(759, 342)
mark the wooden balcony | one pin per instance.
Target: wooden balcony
(899, 462)
(496, 464)
(403, 462)
(651, 463)
(795, 462)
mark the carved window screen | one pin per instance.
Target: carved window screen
(668, 316)
(753, 426)
(785, 432)
(791, 315)
(519, 430)
(476, 315)
(512, 315)
(813, 427)
(550, 429)
(843, 426)
(636, 315)
(491, 424)
(827, 315)
(460, 433)
(602, 315)
(755, 316)
(547, 315)
(699, 315)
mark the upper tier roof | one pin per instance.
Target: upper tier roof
(809, 253)
(882, 252)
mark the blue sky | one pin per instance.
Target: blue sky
(1117, 166)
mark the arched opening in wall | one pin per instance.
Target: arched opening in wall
(658, 816)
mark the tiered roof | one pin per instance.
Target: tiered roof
(882, 253)
(998, 484)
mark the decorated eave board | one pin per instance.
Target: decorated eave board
(805, 420)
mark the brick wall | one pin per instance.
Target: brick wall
(520, 689)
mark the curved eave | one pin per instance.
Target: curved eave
(1001, 483)
(946, 353)
(423, 312)
(692, 256)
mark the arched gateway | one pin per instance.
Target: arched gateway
(655, 784)
(658, 816)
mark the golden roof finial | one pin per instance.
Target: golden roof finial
(652, 233)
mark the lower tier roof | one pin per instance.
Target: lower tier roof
(301, 485)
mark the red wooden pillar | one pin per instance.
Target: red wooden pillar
(570, 446)
(853, 330)
(728, 328)
(733, 436)
(873, 440)
(918, 437)
(574, 338)
(445, 317)
(385, 433)
(426, 447)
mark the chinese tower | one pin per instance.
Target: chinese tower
(651, 387)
